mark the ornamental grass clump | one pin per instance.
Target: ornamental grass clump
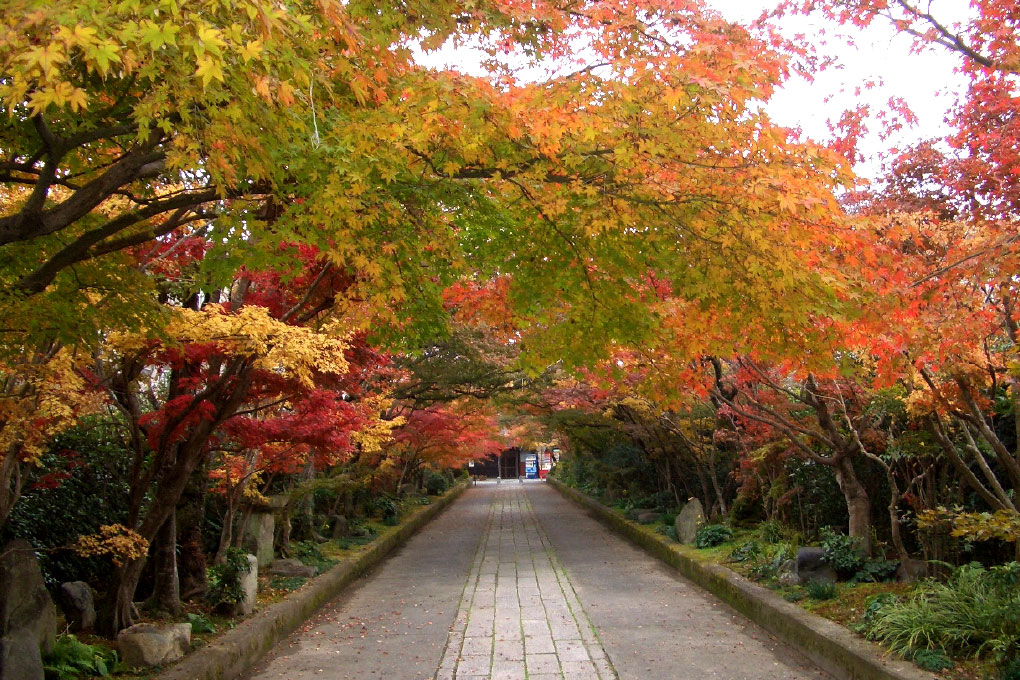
(976, 612)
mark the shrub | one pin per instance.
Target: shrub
(1010, 669)
(79, 486)
(746, 551)
(72, 659)
(712, 535)
(200, 624)
(931, 660)
(773, 558)
(435, 483)
(821, 590)
(667, 530)
(225, 579)
(388, 509)
(976, 611)
(876, 571)
(771, 531)
(843, 553)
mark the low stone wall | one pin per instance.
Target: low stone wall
(832, 647)
(237, 650)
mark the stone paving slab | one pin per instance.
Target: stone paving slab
(394, 623)
(652, 622)
(533, 629)
(515, 583)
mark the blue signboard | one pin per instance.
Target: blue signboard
(531, 465)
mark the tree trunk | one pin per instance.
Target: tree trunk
(713, 475)
(226, 532)
(191, 561)
(166, 593)
(858, 504)
(116, 611)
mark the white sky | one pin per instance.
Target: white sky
(927, 81)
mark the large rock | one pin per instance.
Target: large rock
(689, 521)
(634, 513)
(812, 567)
(258, 536)
(291, 568)
(649, 517)
(76, 601)
(787, 573)
(20, 658)
(25, 605)
(146, 644)
(341, 527)
(249, 588)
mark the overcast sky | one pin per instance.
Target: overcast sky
(927, 81)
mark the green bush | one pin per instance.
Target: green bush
(933, 660)
(200, 624)
(821, 590)
(976, 611)
(435, 483)
(1010, 669)
(79, 486)
(388, 509)
(225, 579)
(771, 531)
(712, 535)
(72, 659)
(843, 553)
(668, 530)
(876, 571)
(746, 552)
(772, 560)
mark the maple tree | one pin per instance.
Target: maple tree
(439, 437)
(282, 250)
(261, 375)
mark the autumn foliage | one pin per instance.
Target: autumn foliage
(295, 269)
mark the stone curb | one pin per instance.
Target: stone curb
(834, 648)
(234, 652)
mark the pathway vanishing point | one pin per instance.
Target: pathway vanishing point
(513, 582)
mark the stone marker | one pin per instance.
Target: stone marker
(76, 601)
(649, 517)
(689, 521)
(291, 568)
(341, 527)
(249, 588)
(28, 618)
(146, 644)
(811, 566)
(258, 536)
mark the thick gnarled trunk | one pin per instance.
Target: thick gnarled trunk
(858, 503)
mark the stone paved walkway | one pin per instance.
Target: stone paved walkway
(520, 617)
(514, 582)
